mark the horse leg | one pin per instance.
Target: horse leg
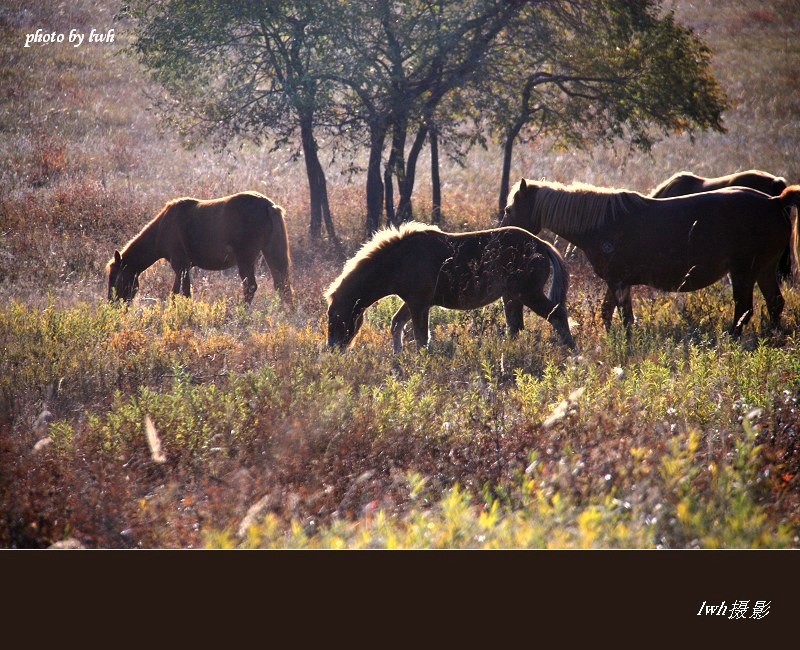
(607, 308)
(399, 321)
(625, 306)
(182, 264)
(186, 282)
(555, 314)
(514, 317)
(279, 270)
(771, 290)
(785, 266)
(742, 285)
(182, 284)
(419, 317)
(249, 284)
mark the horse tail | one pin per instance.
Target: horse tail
(560, 284)
(790, 197)
(276, 252)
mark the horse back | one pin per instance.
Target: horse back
(726, 222)
(505, 244)
(478, 266)
(723, 208)
(247, 203)
(214, 233)
(756, 180)
(234, 219)
(688, 242)
(680, 184)
(685, 183)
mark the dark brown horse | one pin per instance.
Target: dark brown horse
(684, 183)
(678, 244)
(426, 266)
(216, 234)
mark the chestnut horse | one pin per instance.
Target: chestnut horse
(678, 244)
(215, 234)
(426, 266)
(684, 183)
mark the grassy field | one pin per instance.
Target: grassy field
(682, 439)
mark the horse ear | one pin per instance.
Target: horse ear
(523, 185)
(117, 258)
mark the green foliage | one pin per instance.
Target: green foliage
(539, 519)
(455, 521)
(600, 71)
(499, 443)
(728, 516)
(364, 70)
(249, 69)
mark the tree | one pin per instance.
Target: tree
(588, 72)
(397, 61)
(252, 68)
(368, 71)
(583, 72)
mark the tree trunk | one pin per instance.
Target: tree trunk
(397, 166)
(374, 182)
(405, 211)
(505, 179)
(388, 187)
(328, 220)
(318, 193)
(317, 187)
(436, 186)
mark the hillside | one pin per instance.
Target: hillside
(684, 438)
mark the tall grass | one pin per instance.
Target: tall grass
(246, 410)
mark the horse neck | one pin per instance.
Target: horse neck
(377, 282)
(581, 239)
(367, 293)
(143, 251)
(578, 217)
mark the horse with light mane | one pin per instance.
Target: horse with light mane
(426, 266)
(676, 244)
(214, 234)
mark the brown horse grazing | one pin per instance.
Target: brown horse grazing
(426, 266)
(215, 235)
(684, 183)
(678, 244)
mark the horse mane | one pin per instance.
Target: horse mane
(579, 207)
(382, 240)
(167, 207)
